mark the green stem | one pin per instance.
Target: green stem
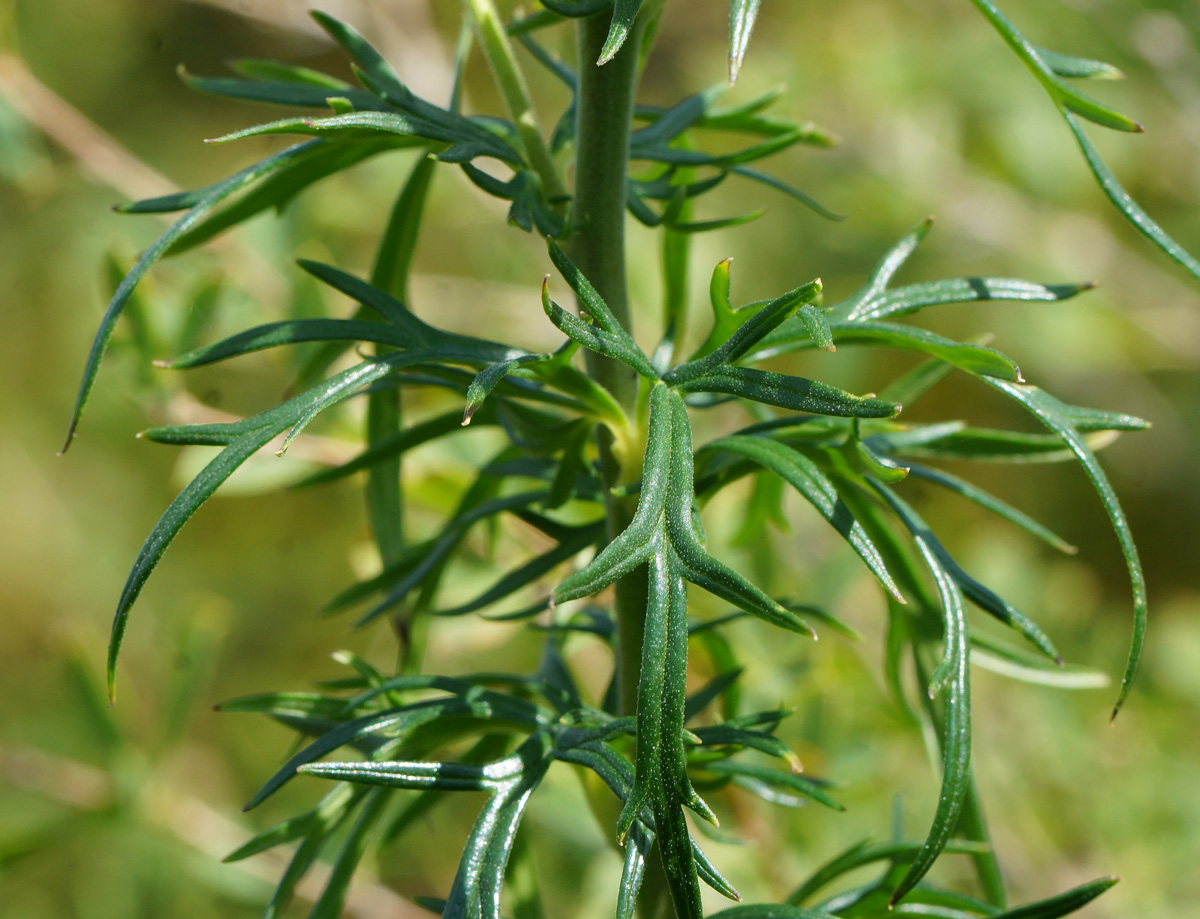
(597, 246)
(385, 497)
(499, 53)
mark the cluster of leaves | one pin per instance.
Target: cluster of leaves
(844, 453)
(507, 731)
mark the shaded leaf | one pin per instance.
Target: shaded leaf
(995, 505)
(1061, 905)
(803, 474)
(1134, 213)
(768, 783)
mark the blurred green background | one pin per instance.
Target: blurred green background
(125, 812)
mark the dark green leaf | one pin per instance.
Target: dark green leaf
(790, 190)
(971, 358)
(333, 897)
(334, 806)
(487, 379)
(618, 346)
(576, 8)
(417, 570)
(981, 596)
(1072, 103)
(995, 505)
(770, 911)
(477, 884)
(624, 13)
(414, 436)
(280, 187)
(904, 301)
(677, 156)
(1063, 904)
(803, 474)
(749, 332)
(199, 205)
(953, 673)
(530, 571)
(954, 441)
(287, 73)
(861, 854)
(1067, 421)
(608, 336)
(669, 123)
(1065, 97)
(718, 685)
(766, 783)
(462, 144)
(289, 332)
(794, 393)
(281, 92)
(883, 271)
(1134, 213)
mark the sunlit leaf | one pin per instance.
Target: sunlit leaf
(742, 14)
(624, 13)
(198, 205)
(1067, 421)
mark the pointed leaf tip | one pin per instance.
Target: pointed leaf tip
(742, 15)
(624, 14)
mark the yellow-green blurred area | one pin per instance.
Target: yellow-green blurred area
(123, 812)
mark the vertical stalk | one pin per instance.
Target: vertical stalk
(499, 53)
(597, 246)
(385, 499)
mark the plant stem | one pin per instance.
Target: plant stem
(499, 53)
(597, 246)
(385, 497)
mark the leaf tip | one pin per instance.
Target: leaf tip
(66, 444)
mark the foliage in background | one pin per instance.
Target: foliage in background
(844, 455)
